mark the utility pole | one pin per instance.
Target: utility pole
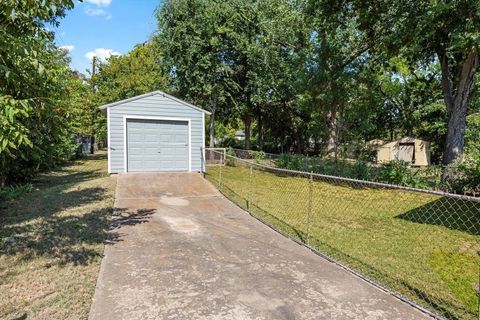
(92, 136)
(94, 65)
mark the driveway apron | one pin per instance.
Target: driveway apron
(178, 249)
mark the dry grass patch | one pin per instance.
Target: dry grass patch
(52, 241)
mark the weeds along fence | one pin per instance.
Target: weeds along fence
(420, 245)
(465, 178)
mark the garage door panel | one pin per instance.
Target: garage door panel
(157, 145)
(151, 137)
(150, 145)
(136, 151)
(135, 165)
(181, 138)
(166, 137)
(150, 164)
(135, 136)
(167, 152)
(168, 164)
(151, 152)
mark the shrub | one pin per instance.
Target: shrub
(399, 173)
(290, 161)
(466, 177)
(230, 153)
(257, 156)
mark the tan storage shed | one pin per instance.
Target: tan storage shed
(408, 149)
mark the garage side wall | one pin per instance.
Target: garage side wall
(153, 106)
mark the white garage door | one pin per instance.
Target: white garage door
(157, 145)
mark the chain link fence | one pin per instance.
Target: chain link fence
(464, 178)
(420, 245)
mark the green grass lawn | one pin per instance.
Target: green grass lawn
(423, 246)
(52, 241)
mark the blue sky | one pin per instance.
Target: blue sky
(103, 27)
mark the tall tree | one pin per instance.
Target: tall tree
(264, 41)
(33, 94)
(448, 31)
(192, 37)
(124, 76)
(336, 51)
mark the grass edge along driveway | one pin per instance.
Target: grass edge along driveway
(407, 241)
(52, 241)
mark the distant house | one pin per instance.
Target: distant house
(240, 135)
(412, 150)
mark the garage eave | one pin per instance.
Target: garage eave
(157, 92)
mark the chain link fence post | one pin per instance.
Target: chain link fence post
(220, 177)
(478, 288)
(249, 196)
(309, 206)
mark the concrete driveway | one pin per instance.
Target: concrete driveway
(186, 252)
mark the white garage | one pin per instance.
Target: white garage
(154, 132)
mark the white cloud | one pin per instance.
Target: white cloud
(97, 12)
(100, 3)
(101, 53)
(68, 48)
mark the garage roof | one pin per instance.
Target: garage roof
(113, 104)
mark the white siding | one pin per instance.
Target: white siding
(156, 105)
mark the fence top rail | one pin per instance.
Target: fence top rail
(351, 180)
(212, 149)
(265, 153)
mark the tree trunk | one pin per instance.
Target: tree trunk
(247, 123)
(457, 105)
(260, 133)
(212, 129)
(2, 172)
(332, 147)
(299, 146)
(92, 144)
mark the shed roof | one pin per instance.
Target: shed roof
(403, 140)
(113, 104)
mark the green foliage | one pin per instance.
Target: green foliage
(289, 161)
(305, 76)
(13, 192)
(36, 114)
(446, 33)
(14, 133)
(257, 156)
(395, 172)
(235, 58)
(193, 41)
(399, 173)
(125, 76)
(230, 161)
(472, 136)
(466, 177)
